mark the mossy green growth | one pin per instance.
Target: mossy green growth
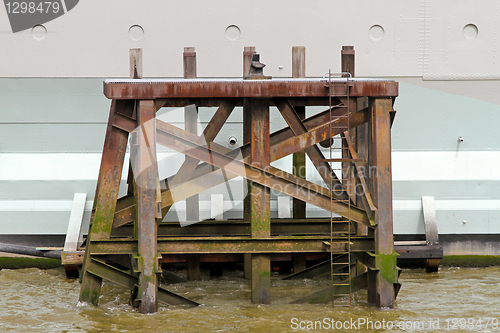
(470, 261)
(19, 262)
(386, 263)
(265, 275)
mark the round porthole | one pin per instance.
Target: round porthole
(136, 33)
(376, 32)
(233, 141)
(233, 32)
(470, 31)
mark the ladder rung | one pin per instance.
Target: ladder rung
(340, 284)
(340, 274)
(340, 263)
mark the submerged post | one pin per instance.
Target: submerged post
(382, 281)
(256, 123)
(145, 173)
(260, 197)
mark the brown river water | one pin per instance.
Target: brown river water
(452, 300)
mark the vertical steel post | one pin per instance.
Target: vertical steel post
(108, 185)
(135, 73)
(381, 184)
(260, 197)
(299, 158)
(347, 66)
(191, 124)
(145, 199)
(248, 51)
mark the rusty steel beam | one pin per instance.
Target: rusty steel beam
(314, 153)
(121, 278)
(238, 257)
(381, 184)
(260, 197)
(203, 245)
(365, 196)
(291, 144)
(230, 88)
(276, 179)
(108, 185)
(145, 198)
(125, 123)
(185, 142)
(189, 166)
(242, 228)
(283, 142)
(299, 158)
(206, 174)
(215, 102)
(310, 123)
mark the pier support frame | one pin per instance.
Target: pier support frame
(125, 243)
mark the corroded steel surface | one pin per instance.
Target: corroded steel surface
(200, 245)
(200, 88)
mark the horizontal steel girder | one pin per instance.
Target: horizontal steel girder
(199, 88)
(271, 177)
(241, 228)
(128, 281)
(201, 245)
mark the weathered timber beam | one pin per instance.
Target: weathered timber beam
(128, 281)
(200, 245)
(273, 178)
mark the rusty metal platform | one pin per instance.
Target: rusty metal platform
(127, 240)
